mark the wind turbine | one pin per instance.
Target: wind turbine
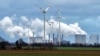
(59, 36)
(44, 11)
(51, 28)
(59, 26)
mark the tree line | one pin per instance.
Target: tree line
(20, 44)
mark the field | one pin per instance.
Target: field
(62, 51)
(77, 48)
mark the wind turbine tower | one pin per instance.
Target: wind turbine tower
(59, 34)
(44, 13)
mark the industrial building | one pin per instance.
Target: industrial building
(30, 39)
(38, 40)
(80, 39)
(94, 39)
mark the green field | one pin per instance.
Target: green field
(38, 54)
(77, 48)
(59, 51)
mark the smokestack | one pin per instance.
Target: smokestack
(49, 37)
(53, 38)
(62, 37)
(33, 34)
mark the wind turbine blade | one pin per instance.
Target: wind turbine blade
(40, 8)
(47, 9)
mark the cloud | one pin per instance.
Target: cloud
(70, 29)
(14, 29)
(24, 19)
(26, 30)
(6, 22)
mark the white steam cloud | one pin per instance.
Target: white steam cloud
(23, 27)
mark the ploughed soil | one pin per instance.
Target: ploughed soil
(51, 52)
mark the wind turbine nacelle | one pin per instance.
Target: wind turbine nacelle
(44, 11)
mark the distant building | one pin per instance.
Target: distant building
(55, 40)
(31, 39)
(60, 39)
(94, 39)
(80, 39)
(65, 42)
(37, 40)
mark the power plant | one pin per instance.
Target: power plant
(38, 40)
(94, 39)
(80, 39)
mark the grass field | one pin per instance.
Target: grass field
(47, 55)
(77, 48)
(61, 51)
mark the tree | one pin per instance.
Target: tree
(19, 43)
(4, 44)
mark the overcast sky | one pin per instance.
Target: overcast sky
(84, 12)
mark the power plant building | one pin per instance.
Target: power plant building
(94, 39)
(38, 40)
(80, 39)
(31, 39)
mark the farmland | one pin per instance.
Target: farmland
(78, 48)
(60, 51)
